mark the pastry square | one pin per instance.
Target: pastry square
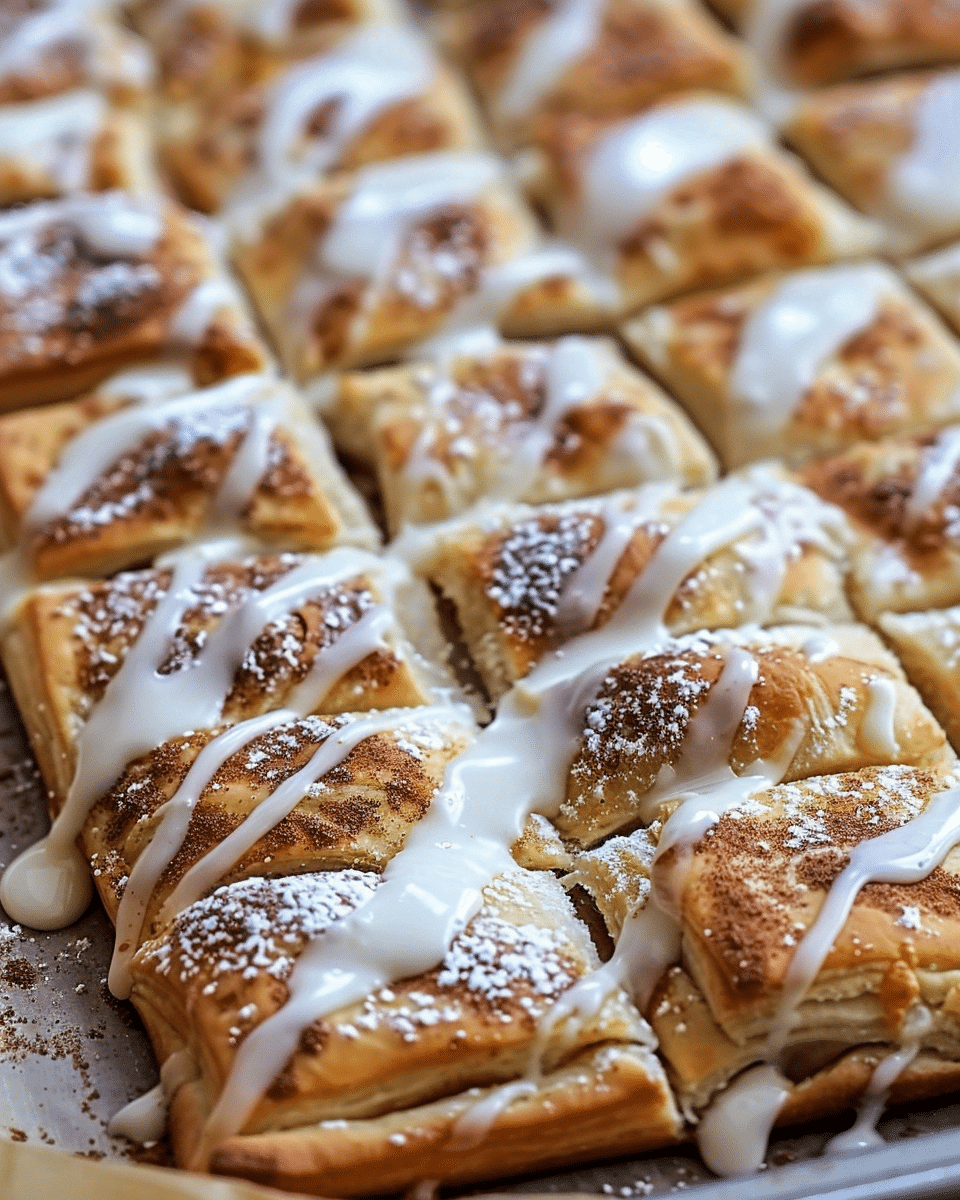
(95, 283)
(809, 42)
(928, 644)
(937, 276)
(72, 142)
(692, 192)
(884, 145)
(752, 893)
(113, 479)
(209, 47)
(358, 629)
(379, 94)
(524, 581)
(803, 363)
(393, 1085)
(365, 268)
(521, 421)
(606, 58)
(52, 46)
(901, 496)
(810, 700)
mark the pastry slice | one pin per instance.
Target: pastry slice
(207, 48)
(809, 42)
(524, 581)
(111, 480)
(68, 143)
(95, 283)
(604, 57)
(342, 632)
(520, 421)
(807, 362)
(901, 496)
(52, 46)
(937, 276)
(365, 268)
(928, 644)
(786, 703)
(690, 193)
(377, 95)
(405, 1080)
(753, 892)
(885, 145)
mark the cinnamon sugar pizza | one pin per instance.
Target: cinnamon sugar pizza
(582, 820)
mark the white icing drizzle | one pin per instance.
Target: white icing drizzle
(389, 197)
(637, 163)
(54, 136)
(938, 466)
(565, 35)
(879, 730)
(143, 1120)
(141, 709)
(800, 326)
(111, 224)
(378, 66)
(195, 316)
(734, 1131)
(924, 183)
(517, 766)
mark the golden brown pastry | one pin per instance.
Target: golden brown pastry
(95, 283)
(365, 268)
(794, 701)
(809, 42)
(524, 581)
(928, 644)
(604, 57)
(521, 421)
(901, 497)
(937, 276)
(885, 144)
(68, 143)
(208, 48)
(341, 632)
(691, 193)
(379, 94)
(807, 362)
(392, 1086)
(131, 470)
(52, 46)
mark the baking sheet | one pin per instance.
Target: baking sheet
(71, 1056)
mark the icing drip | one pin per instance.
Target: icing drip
(734, 1131)
(110, 224)
(924, 182)
(141, 708)
(143, 1120)
(805, 321)
(637, 163)
(198, 311)
(938, 467)
(879, 730)
(378, 66)
(55, 135)
(564, 36)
